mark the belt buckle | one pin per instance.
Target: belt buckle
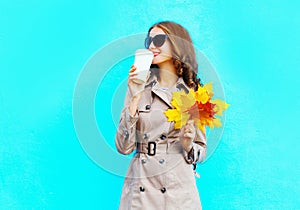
(151, 148)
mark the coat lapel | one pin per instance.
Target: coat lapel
(166, 95)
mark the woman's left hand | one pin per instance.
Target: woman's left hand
(187, 135)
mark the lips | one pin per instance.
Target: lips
(155, 54)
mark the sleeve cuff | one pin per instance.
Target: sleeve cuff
(189, 156)
(194, 154)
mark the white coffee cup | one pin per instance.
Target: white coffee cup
(142, 61)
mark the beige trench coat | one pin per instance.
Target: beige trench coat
(160, 175)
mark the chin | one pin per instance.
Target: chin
(156, 60)
(160, 60)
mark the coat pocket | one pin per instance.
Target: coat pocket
(144, 107)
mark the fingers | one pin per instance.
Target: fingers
(190, 122)
(189, 130)
(131, 74)
(132, 69)
(188, 135)
(189, 127)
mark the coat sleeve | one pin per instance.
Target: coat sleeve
(198, 151)
(126, 133)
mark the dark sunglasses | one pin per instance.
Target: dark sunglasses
(157, 40)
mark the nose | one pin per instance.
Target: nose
(151, 46)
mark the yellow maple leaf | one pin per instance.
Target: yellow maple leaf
(197, 105)
(220, 106)
(177, 116)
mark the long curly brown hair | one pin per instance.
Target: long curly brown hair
(184, 56)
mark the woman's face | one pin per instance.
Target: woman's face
(162, 53)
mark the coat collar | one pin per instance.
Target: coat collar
(166, 96)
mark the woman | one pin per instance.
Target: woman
(161, 175)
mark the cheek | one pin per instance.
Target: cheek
(168, 46)
(166, 54)
(167, 50)
(161, 58)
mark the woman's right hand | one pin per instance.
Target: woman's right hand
(134, 88)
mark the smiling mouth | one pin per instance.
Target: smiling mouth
(155, 54)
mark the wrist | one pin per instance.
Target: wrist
(189, 147)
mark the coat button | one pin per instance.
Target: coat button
(144, 161)
(142, 189)
(126, 134)
(148, 107)
(163, 137)
(145, 136)
(161, 161)
(163, 190)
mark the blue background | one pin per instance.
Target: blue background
(254, 47)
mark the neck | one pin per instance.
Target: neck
(167, 74)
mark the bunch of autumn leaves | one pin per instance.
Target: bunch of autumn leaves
(198, 106)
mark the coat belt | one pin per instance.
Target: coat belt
(151, 148)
